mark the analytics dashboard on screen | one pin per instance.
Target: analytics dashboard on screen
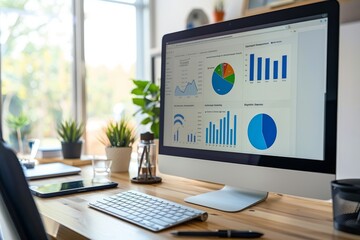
(257, 91)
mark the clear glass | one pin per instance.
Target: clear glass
(146, 152)
(101, 169)
(110, 56)
(36, 67)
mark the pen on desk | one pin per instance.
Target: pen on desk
(219, 233)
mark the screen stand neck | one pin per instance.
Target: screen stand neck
(228, 199)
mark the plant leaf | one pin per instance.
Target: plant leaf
(141, 83)
(146, 121)
(138, 91)
(139, 102)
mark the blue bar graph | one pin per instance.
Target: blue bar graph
(252, 59)
(263, 69)
(222, 133)
(224, 129)
(213, 133)
(259, 68)
(209, 130)
(207, 135)
(276, 69)
(267, 68)
(228, 126)
(176, 136)
(191, 138)
(284, 64)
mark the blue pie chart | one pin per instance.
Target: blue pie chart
(262, 131)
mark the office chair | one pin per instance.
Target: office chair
(17, 198)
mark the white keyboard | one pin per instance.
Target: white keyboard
(147, 211)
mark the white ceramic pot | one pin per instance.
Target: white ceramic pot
(120, 157)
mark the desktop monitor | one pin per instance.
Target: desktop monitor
(251, 103)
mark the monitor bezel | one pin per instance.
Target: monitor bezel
(328, 165)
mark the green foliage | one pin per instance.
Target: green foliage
(70, 131)
(147, 97)
(219, 6)
(17, 122)
(35, 71)
(119, 134)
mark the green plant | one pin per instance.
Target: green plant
(70, 131)
(17, 123)
(147, 97)
(219, 6)
(118, 134)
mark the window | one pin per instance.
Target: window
(38, 64)
(110, 56)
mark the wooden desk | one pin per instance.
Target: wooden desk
(279, 217)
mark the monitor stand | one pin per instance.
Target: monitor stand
(228, 199)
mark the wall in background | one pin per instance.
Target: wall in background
(349, 102)
(171, 16)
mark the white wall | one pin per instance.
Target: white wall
(349, 102)
(170, 15)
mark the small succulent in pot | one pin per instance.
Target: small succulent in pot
(118, 139)
(70, 133)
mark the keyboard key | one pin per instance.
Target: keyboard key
(160, 222)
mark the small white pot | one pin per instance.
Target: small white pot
(120, 157)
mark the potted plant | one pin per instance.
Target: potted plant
(118, 140)
(18, 123)
(147, 97)
(70, 133)
(219, 12)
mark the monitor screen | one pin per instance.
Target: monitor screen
(252, 93)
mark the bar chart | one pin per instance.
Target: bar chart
(268, 63)
(222, 131)
(267, 68)
(191, 138)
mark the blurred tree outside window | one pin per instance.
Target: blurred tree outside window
(36, 63)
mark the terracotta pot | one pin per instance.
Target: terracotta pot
(219, 16)
(120, 157)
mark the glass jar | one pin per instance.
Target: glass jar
(146, 151)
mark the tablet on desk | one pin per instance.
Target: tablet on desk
(63, 188)
(50, 170)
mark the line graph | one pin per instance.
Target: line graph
(189, 90)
